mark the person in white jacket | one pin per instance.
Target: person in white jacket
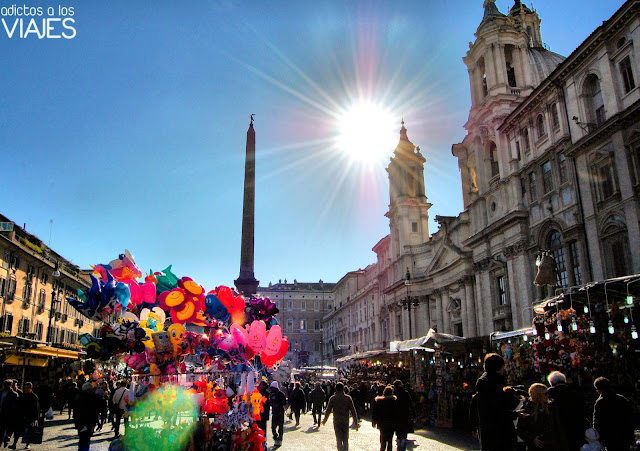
(119, 401)
(593, 441)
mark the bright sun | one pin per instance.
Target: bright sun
(367, 133)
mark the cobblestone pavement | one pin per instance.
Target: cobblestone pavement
(59, 434)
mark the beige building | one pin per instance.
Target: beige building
(302, 307)
(550, 161)
(34, 284)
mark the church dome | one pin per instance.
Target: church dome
(542, 62)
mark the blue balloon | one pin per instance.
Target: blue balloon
(215, 309)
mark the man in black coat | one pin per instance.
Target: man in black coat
(86, 409)
(406, 414)
(495, 407)
(277, 400)
(297, 401)
(30, 409)
(612, 417)
(570, 407)
(8, 407)
(316, 398)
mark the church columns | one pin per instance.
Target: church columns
(501, 63)
(519, 67)
(526, 77)
(439, 310)
(470, 307)
(492, 72)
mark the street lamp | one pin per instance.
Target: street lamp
(54, 299)
(407, 302)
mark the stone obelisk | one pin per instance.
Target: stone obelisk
(246, 283)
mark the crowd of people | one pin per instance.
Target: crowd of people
(547, 417)
(550, 416)
(391, 407)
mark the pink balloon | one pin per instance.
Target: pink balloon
(257, 339)
(273, 340)
(240, 334)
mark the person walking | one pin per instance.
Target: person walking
(406, 414)
(278, 400)
(316, 397)
(385, 415)
(119, 399)
(86, 408)
(612, 417)
(570, 408)
(297, 402)
(45, 396)
(70, 393)
(8, 407)
(103, 391)
(341, 406)
(494, 408)
(29, 411)
(307, 400)
(16, 420)
(540, 427)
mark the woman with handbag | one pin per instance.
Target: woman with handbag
(30, 407)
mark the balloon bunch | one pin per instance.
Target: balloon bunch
(153, 315)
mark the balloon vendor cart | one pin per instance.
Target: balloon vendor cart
(199, 362)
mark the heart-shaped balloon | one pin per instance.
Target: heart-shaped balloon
(273, 340)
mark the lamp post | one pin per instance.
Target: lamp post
(407, 301)
(54, 299)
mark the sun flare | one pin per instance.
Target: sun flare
(367, 133)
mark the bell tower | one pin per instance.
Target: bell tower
(408, 208)
(506, 62)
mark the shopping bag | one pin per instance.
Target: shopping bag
(33, 434)
(49, 414)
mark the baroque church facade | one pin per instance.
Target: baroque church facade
(550, 161)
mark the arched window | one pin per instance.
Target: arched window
(493, 155)
(540, 125)
(556, 246)
(594, 101)
(615, 243)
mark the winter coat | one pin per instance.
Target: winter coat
(495, 413)
(277, 400)
(406, 412)
(545, 426)
(317, 397)
(385, 413)
(29, 408)
(570, 408)
(86, 408)
(612, 418)
(297, 399)
(8, 408)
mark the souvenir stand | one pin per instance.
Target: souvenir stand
(445, 368)
(586, 331)
(236, 342)
(373, 366)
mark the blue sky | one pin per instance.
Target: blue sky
(132, 134)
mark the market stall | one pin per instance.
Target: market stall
(444, 370)
(585, 331)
